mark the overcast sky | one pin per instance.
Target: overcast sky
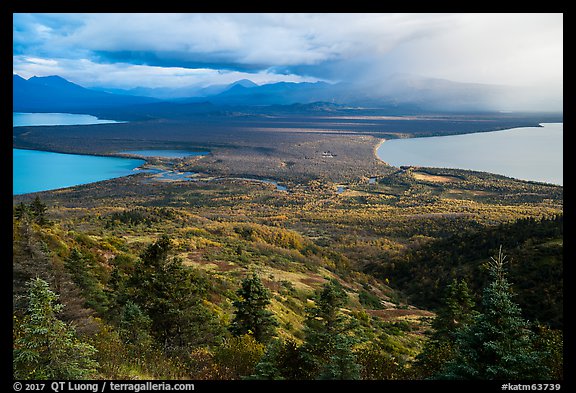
(169, 50)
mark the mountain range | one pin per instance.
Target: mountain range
(54, 93)
(177, 93)
(399, 93)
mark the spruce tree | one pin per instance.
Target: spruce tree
(281, 361)
(44, 346)
(342, 363)
(251, 316)
(38, 210)
(172, 297)
(22, 211)
(134, 327)
(498, 344)
(456, 313)
(327, 349)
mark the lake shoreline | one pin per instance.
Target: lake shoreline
(376, 147)
(505, 171)
(157, 174)
(259, 147)
(48, 150)
(57, 119)
(27, 162)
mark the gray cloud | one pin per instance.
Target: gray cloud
(514, 49)
(239, 41)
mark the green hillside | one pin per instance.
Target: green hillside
(150, 273)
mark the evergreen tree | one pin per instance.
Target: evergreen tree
(38, 210)
(456, 313)
(498, 343)
(251, 316)
(327, 350)
(46, 347)
(116, 290)
(134, 326)
(23, 215)
(281, 361)
(81, 268)
(267, 368)
(22, 211)
(342, 363)
(172, 296)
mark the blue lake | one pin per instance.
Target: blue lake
(529, 153)
(20, 119)
(35, 170)
(526, 153)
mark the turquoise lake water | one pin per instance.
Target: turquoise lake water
(35, 170)
(529, 153)
(526, 153)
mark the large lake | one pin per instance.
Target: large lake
(530, 153)
(20, 119)
(35, 170)
(526, 153)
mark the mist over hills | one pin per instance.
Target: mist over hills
(178, 93)
(399, 93)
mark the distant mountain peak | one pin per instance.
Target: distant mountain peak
(239, 85)
(244, 83)
(49, 78)
(53, 81)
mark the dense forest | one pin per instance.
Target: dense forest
(535, 266)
